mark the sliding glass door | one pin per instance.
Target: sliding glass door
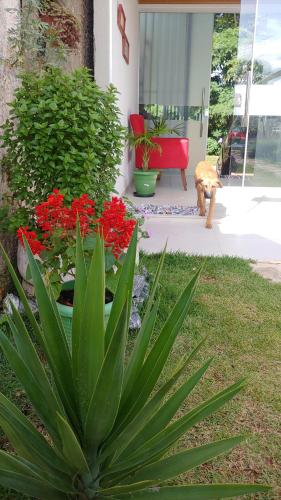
(175, 73)
(259, 95)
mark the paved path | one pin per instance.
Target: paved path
(247, 222)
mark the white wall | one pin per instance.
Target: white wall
(111, 67)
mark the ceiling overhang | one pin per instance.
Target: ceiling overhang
(203, 6)
(190, 2)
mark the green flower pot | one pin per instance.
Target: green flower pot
(66, 312)
(145, 181)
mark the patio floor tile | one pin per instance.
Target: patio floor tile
(246, 223)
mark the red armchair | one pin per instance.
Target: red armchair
(173, 153)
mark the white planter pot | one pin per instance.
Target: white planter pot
(22, 263)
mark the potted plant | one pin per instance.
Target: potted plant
(145, 177)
(108, 418)
(63, 26)
(53, 241)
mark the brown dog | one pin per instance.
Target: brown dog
(206, 183)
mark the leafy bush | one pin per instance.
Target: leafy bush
(107, 428)
(213, 148)
(63, 132)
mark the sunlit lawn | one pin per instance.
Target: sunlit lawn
(241, 315)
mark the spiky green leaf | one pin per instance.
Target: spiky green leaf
(158, 355)
(26, 440)
(71, 448)
(119, 441)
(171, 467)
(140, 348)
(55, 343)
(124, 288)
(197, 492)
(90, 354)
(106, 397)
(78, 306)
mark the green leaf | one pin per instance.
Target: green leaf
(19, 465)
(26, 440)
(106, 397)
(165, 414)
(54, 340)
(71, 448)
(137, 357)
(78, 306)
(119, 441)
(36, 329)
(124, 289)
(34, 386)
(91, 341)
(119, 490)
(161, 443)
(158, 355)
(109, 261)
(198, 492)
(171, 467)
(30, 486)
(89, 243)
(14, 464)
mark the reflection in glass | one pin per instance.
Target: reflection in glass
(263, 167)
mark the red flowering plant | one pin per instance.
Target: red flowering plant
(54, 237)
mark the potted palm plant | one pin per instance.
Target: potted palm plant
(145, 177)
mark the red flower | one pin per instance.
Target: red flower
(114, 227)
(53, 215)
(56, 220)
(35, 245)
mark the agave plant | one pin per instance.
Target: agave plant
(108, 424)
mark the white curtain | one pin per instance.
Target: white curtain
(164, 58)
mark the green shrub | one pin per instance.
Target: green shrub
(107, 425)
(63, 132)
(213, 148)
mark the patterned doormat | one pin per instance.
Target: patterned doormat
(149, 209)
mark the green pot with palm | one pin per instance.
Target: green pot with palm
(145, 182)
(145, 177)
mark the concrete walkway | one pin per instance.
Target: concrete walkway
(269, 270)
(247, 222)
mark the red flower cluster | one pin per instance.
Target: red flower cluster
(114, 227)
(53, 215)
(55, 220)
(35, 245)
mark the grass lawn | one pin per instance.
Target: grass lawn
(240, 313)
(212, 159)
